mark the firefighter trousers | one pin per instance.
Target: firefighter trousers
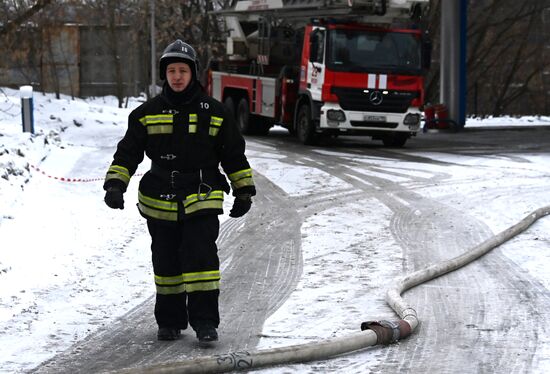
(186, 267)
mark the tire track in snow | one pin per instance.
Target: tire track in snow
(467, 324)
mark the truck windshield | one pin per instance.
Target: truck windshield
(374, 51)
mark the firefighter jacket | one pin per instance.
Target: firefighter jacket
(186, 142)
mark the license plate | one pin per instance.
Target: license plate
(374, 118)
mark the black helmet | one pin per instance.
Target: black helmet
(178, 51)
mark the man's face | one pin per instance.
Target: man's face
(178, 75)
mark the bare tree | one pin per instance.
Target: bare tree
(113, 47)
(505, 61)
(191, 22)
(27, 11)
(119, 30)
(51, 71)
(21, 39)
(505, 57)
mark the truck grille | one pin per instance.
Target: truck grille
(357, 99)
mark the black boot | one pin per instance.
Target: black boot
(168, 333)
(207, 334)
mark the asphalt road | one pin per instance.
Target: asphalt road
(261, 264)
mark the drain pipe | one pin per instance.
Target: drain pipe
(373, 332)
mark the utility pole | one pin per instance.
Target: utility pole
(153, 89)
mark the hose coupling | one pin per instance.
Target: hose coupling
(387, 331)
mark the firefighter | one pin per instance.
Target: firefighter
(187, 135)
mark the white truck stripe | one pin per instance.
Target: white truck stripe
(372, 81)
(382, 81)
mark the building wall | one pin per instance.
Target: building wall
(75, 60)
(59, 68)
(97, 62)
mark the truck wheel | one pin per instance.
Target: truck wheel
(243, 116)
(395, 139)
(230, 105)
(305, 130)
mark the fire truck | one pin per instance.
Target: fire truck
(324, 68)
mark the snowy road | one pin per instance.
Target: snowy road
(434, 199)
(257, 279)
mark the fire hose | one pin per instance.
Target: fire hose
(373, 332)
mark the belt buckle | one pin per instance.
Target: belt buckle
(173, 175)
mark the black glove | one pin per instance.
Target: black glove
(114, 199)
(241, 205)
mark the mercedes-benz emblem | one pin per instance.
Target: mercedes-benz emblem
(376, 98)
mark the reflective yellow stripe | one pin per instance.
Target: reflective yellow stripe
(216, 121)
(193, 119)
(118, 172)
(207, 204)
(214, 195)
(241, 178)
(187, 277)
(158, 214)
(190, 287)
(240, 174)
(119, 169)
(167, 281)
(159, 209)
(160, 129)
(171, 290)
(188, 282)
(168, 210)
(202, 286)
(213, 201)
(157, 118)
(201, 276)
(158, 123)
(156, 203)
(117, 176)
(242, 183)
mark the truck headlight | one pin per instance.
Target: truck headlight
(336, 115)
(412, 120)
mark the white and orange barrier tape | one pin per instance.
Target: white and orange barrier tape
(70, 180)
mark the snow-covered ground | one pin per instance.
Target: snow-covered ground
(69, 265)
